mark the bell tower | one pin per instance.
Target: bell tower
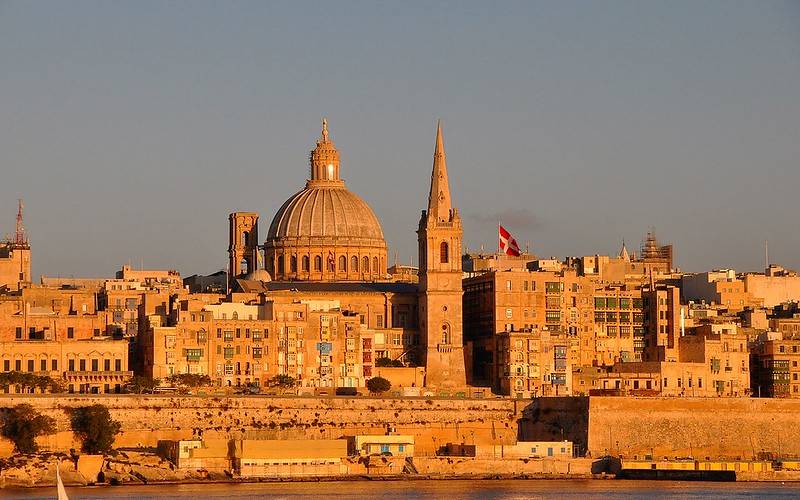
(441, 324)
(242, 243)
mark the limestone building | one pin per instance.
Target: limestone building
(15, 257)
(324, 309)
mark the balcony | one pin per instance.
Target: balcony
(97, 376)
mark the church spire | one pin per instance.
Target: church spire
(623, 253)
(439, 204)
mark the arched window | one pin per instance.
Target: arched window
(342, 264)
(445, 333)
(235, 315)
(444, 253)
(375, 267)
(354, 264)
(366, 265)
(293, 263)
(245, 238)
(306, 263)
(280, 264)
(318, 263)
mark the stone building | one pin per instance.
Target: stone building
(49, 333)
(15, 258)
(775, 362)
(324, 309)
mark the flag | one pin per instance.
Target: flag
(508, 244)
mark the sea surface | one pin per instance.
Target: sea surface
(447, 489)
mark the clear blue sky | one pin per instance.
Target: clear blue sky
(133, 128)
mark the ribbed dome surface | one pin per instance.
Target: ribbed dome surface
(328, 212)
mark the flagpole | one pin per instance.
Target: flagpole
(498, 236)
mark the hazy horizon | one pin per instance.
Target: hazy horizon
(133, 129)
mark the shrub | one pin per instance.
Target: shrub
(140, 384)
(282, 381)
(95, 427)
(192, 380)
(388, 363)
(23, 424)
(378, 385)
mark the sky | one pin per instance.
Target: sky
(131, 129)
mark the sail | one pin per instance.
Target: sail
(62, 492)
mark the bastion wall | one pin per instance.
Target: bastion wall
(147, 419)
(696, 427)
(671, 427)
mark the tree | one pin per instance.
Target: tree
(191, 380)
(28, 382)
(140, 384)
(95, 427)
(388, 363)
(282, 381)
(378, 385)
(23, 424)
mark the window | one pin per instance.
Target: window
(553, 316)
(82, 365)
(317, 263)
(599, 302)
(293, 264)
(280, 264)
(71, 365)
(18, 333)
(306, 263)
(365, 264)
(342, 263)
(228, 352)
(228, 335)
(552, 287)
(354, 264)
(70, 332)
(509, 313)
(43, 367)
(375, 267)
(95, 365)
(118, 365)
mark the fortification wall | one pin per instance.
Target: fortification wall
(147, 419)
(698, 427)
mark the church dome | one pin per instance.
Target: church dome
(258, 275)
(326, 211)
(325, 232)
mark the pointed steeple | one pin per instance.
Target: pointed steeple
(623, 254)
(439, 203)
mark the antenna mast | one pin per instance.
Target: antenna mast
(20, 238)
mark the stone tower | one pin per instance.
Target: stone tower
(242, 243)
(439, 236)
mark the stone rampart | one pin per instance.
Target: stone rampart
(697, 427)
(147, 419)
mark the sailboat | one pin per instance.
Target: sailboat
(62, 492)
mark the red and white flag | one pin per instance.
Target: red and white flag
(508, 244)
